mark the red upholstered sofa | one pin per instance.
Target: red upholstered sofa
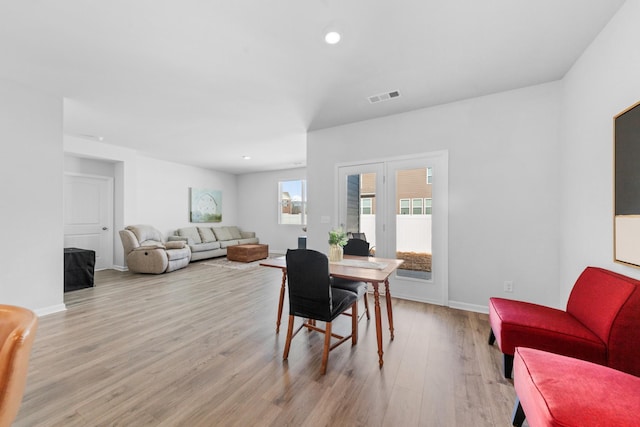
(556, 390)
(601, 323)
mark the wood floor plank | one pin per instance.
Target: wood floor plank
(197, 347)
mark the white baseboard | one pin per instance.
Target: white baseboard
(469, 307)
(453, 304)
(119, 268)
(50, 310)
(408, 298)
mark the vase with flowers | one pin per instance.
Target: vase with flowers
(337, 239)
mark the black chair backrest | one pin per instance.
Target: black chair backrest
(360, 236)
(356, 247)
(309, 284)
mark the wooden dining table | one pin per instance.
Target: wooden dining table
(362, 269)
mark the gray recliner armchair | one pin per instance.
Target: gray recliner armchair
(146, 252)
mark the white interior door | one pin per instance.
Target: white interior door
(88, 216)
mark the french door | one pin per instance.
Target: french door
(401, 206)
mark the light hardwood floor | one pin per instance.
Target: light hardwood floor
(197, 347)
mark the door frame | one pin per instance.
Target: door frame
(439, 161)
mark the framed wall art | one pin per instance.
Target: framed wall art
(626, 192)
(205, 205)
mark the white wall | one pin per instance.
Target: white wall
(258, 205)
(602, 83)
(504, 197)
(31, 199)
(81, 165)
(163, 194)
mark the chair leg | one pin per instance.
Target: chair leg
(354, 324)
(366, 305)
(327, 345)
(508, 365)
(287, 343)
(518, 416)
(492, 337)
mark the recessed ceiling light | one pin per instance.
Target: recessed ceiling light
(332, 37)
(246, 157)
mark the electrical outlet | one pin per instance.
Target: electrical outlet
(508, 286)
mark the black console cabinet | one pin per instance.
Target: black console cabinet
(79, 265)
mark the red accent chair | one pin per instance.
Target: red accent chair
(601, 323)
(556, 390)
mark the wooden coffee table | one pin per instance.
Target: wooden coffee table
(247, 253)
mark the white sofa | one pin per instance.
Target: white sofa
(209, 242)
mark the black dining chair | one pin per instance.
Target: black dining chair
(360, 236)
(357, 247)
(312, 297)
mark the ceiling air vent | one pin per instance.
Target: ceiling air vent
(383, 96)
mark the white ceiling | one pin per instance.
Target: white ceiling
(205, 82)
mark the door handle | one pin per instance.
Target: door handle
(104, 228)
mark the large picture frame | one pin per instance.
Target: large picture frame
(205, 205)
(626, 205)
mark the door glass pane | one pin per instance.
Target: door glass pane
(361, 206)
(413, 226)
